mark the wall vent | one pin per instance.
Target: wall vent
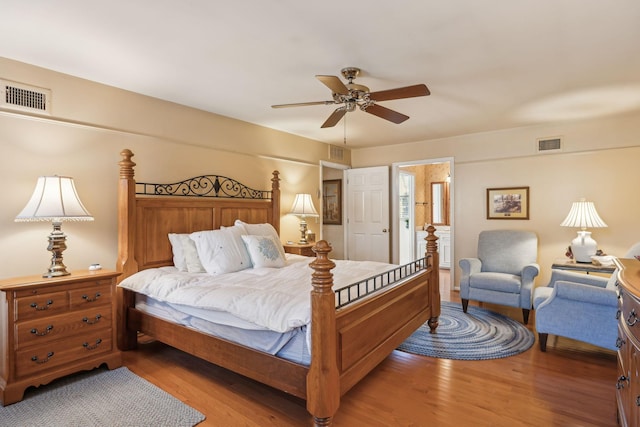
(336, 153)
(552, 144)
(23, 97)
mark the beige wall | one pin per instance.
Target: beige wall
(91, 124)
(599, 162)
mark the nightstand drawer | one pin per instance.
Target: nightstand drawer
(91, 295)
(41, 305)
(40, 331)
(304, 250)
(62, 352)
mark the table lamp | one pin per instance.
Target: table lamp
(583, 214)
(55, 199)
(303, 207)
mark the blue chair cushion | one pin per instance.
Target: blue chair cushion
(500, 282)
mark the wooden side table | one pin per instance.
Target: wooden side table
(587, 267)
(304, 250)
(53, 327)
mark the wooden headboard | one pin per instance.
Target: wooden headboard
(147, 212)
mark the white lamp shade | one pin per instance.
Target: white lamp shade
(303, 206)
(583, 215)
(54, 199)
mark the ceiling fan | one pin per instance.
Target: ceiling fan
(353, 95)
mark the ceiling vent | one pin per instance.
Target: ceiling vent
(17, 96)
(547, 145)
(336, 153)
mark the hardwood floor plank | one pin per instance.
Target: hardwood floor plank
(572, 384)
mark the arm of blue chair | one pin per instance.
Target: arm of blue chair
(529, 272)
(572, 276)
(585, 293)
(470, 266)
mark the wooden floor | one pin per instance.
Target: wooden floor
(572, 384)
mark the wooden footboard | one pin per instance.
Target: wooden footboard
(353, 340)
(346, 343)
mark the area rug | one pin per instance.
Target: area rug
(479, 334)
(99, 398)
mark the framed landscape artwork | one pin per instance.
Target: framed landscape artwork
(332, 202)
(508, 203)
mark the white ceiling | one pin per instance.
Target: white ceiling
(489, 64)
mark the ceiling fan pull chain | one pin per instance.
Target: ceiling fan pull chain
(345, 130)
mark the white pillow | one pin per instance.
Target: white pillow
(264, 251)
(264, 229)
(185, 255)
(222, 251)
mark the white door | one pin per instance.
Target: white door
(368, 214)
(405, 226)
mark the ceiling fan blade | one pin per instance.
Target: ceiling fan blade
(334, 83)
(400, 93)
(386, 113)
(303, 104)
(334, 118)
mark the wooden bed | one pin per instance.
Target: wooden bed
(346, 343)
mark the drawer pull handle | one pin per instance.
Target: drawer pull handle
(621, 380)
(92, 347)
(35, 332)
(92, 322)
(43, 307)
(632, 319)
(40, 362)
(637, 400)
(89, 299)
(620, 342)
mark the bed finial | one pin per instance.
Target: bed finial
(434, 259)
(126, 164)
(323, 378)
(275, 198)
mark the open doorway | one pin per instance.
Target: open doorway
(432, 205)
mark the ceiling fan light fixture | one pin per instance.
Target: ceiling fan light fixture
(352, 95)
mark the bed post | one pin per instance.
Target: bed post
(434, 256)
(275, 199)
(323, 378)
(126, 263)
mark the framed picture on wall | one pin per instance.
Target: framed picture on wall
(332, 202)
(508, 203)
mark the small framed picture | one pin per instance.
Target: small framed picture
(332, 202)
(508, 203)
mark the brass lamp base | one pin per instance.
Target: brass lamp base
(303, 232)
(57, 244)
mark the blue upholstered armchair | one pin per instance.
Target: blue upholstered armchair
(503, 272)
(578, 306)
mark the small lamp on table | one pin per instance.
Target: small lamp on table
(303, 207)
(55, 199)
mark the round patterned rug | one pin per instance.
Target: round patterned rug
(478, 334)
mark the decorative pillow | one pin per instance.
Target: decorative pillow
(264, 251)
(264, 229)
(222, 251)
(185, 255)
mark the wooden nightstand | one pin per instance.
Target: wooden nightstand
(50, 328)
(304, 250)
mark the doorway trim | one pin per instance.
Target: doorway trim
(395, 174)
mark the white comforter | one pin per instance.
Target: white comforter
(272, 298)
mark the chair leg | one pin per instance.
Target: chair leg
(543, 341)
(525, 315)
(465, 304)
